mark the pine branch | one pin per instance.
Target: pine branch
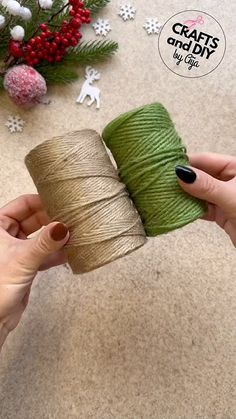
(1, 83)
(95, 5)
(57, 73)
(3, 49)
(91, 52)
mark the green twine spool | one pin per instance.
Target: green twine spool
(146, 148)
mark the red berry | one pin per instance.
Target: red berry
(87, 13)
(54, 45)
(75, 23)
(74, 42)
(28, 48)
(40, 54)
(15, 48)
(57, 39)
(80, 4)
(32, 41)
(72, 12)
(64, 29)
(32, 54)
(88, 20)
(65, 42)
(68, 36)
(58, 58)
(43, 35)
(50, 59)
(47, 45)
(48, 33)
(43, 27)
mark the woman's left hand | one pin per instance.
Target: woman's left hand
(21, 258)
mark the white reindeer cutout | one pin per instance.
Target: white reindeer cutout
(88, 90)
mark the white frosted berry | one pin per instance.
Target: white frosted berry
(5, 2)
(25, 13)
(13, 7)
(45, 4)
(17, 33)
(2, 21)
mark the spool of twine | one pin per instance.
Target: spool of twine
(80, 187)
(147, 148)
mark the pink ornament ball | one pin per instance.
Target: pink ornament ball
(24, 85)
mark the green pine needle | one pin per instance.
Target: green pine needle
(57, 73)
(95, 5)
(91, 52)
(1, 83)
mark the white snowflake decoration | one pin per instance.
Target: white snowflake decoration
(15, 124)
(102, 27)
(127, 12)
(152, 26)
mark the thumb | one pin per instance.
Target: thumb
(51, 239)
(201, 185)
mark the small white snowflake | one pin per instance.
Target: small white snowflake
(152, 26)
(102, 27)
(127, 12)
(15, 123)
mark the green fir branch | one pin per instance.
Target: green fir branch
(57, 73)
(91, 52)
(1, 83)
(95, 5)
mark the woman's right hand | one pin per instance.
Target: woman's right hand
(212, 178)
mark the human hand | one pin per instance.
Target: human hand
(21, 258)
(213, 179)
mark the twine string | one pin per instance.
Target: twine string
(146, 148)
(80, 187)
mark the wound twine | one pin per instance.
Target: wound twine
(80, 187)
(146, 148)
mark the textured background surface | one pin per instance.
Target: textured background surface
(152, 335)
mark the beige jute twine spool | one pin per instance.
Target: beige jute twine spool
(80, 187)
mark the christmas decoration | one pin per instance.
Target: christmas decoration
(2, 21)
(15, 124)
(24, 85)
(88, 90)
(17, 33)
(102, 27)
(127, 12)
(25, 13)
(45, 35)
(152, 26)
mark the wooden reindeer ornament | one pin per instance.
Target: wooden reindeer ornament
(88, 90)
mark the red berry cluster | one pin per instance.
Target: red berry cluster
(51, 46)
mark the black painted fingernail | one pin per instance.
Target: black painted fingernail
(59, 232)
(185, 174)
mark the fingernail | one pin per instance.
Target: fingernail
(59, 232)
(185, 174)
